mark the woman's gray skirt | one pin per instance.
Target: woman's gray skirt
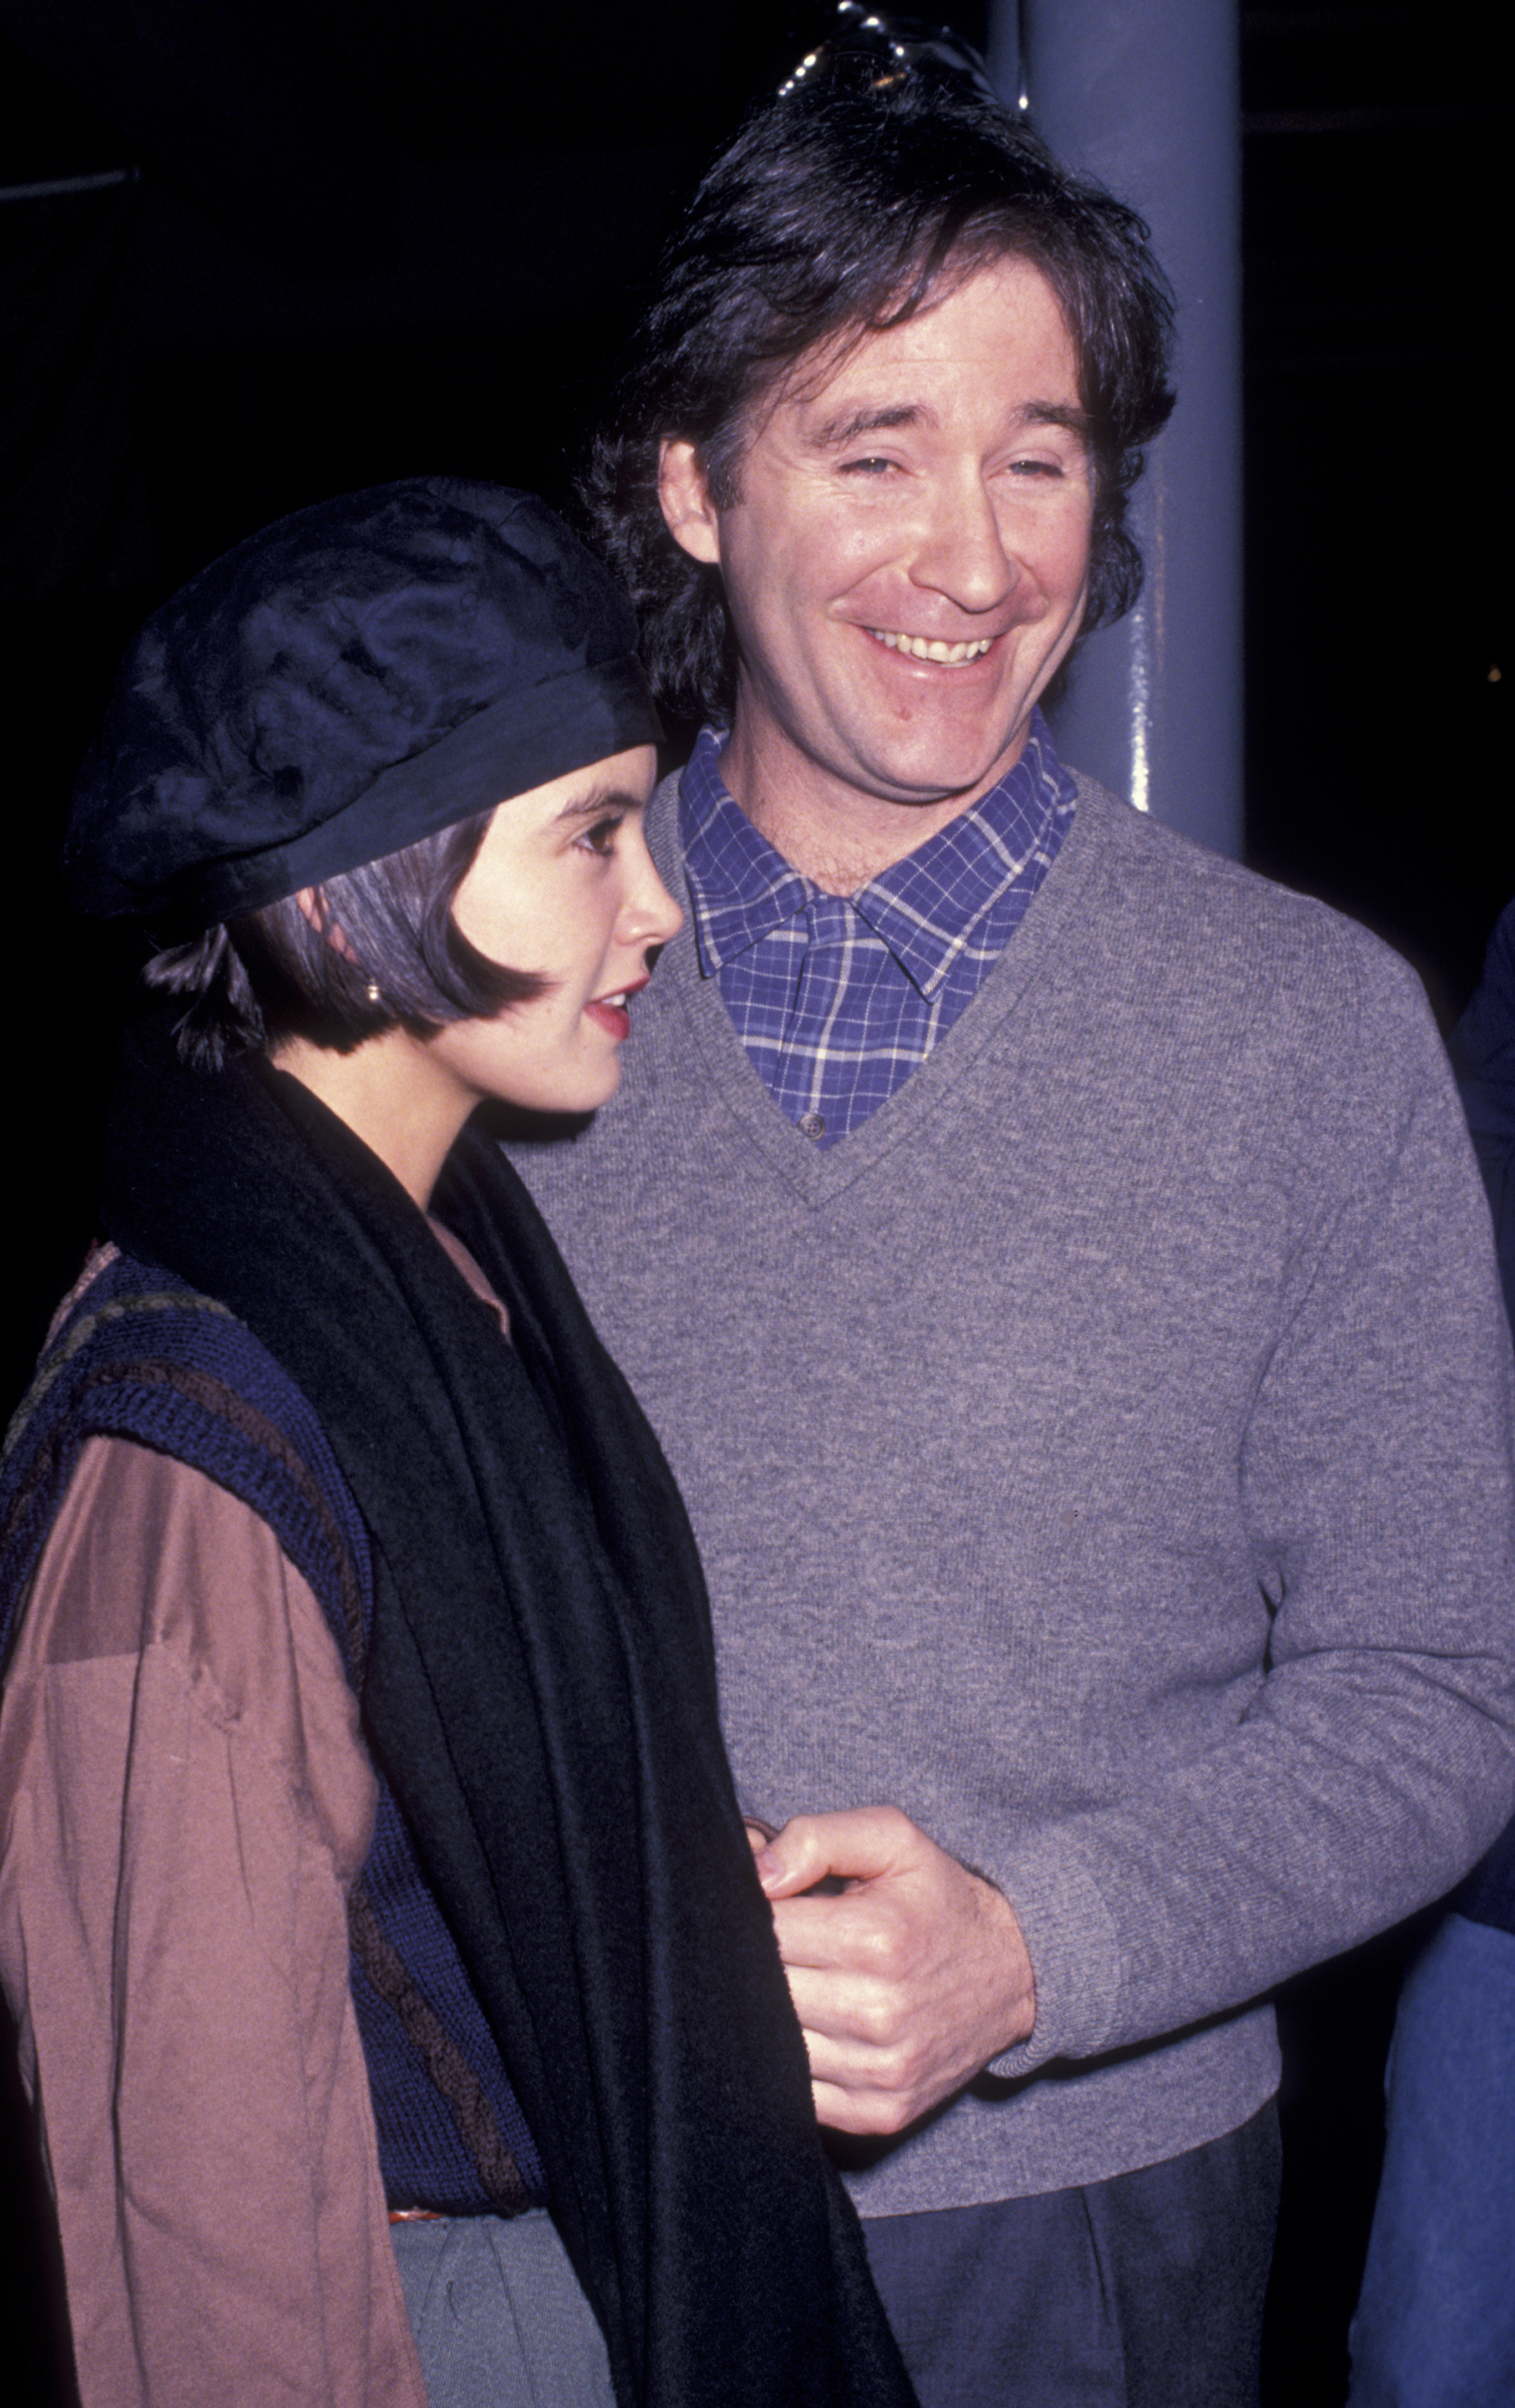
(499, 2318)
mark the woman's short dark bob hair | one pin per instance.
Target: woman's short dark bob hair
(306, 742)
(844, 205)
(378, 948)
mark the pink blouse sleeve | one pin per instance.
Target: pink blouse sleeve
(183, 1799)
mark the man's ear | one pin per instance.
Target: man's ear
(686, 502)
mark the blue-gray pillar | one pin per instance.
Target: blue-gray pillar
(1143, 94)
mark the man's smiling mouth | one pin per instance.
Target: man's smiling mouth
(932, 648)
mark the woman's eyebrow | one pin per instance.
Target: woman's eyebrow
(603, 798)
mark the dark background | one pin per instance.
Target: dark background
(360, 243)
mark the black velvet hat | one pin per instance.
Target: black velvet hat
(353, 678)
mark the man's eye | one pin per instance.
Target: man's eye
(866, 467)
(1036, 468)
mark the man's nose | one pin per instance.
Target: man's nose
(961, 551)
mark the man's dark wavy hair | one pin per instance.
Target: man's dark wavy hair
(844, 205)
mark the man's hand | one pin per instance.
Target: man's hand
(907, 1982)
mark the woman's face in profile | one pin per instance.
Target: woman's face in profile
(563, 884)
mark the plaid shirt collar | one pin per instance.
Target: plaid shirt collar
(924, 907)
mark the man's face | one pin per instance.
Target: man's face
(908, 560)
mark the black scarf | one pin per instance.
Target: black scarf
(541, 1694)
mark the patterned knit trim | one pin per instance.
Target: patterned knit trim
(59, 1356)
(448, 2070)
(216, 1397)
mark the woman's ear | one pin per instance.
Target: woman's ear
(312, 902)
(684, 497)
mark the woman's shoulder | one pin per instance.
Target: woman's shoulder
(137, 1357)
(146, 1553)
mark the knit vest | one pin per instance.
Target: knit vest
(136, 1353)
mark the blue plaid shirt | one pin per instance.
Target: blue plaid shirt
(838, 998)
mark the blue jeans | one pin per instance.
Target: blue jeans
(1435, 2326)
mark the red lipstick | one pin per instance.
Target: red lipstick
(610, 1012)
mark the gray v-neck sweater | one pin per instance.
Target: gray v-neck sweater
(1103, 1455)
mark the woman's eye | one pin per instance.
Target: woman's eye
(601, 838)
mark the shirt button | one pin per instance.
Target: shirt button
(811, 1124)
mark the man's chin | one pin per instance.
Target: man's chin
(944, 775)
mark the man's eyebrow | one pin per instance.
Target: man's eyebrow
(834, 433)
(1058, 413)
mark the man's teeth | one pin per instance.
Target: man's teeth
(927, 648)
(616, 1002)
